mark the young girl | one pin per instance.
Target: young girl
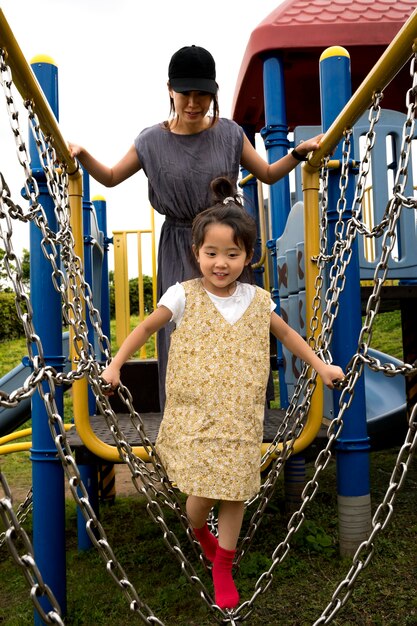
(218, 366)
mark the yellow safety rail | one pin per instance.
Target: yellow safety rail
(121, 279)
(7, 448)
(393, 59)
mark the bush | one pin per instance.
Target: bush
(10, 325)
(134, 295)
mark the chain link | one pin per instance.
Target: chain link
(22, 513)
(387, 227)
(20, 548)
(154, 483)
(380, 520)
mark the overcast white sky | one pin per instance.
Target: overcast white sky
(112, 58)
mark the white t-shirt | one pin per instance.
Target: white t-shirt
(231, 308)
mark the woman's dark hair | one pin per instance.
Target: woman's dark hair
(229, 210)
(214, 104)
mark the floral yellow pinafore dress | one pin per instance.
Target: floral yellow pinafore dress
(210, 435)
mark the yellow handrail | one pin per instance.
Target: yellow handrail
(7, 448)
(392, 60)
(29, 88)
(121, 279)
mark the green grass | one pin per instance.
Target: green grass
(386, 335)
(302, 585)
(11, 354)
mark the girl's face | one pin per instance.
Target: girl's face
(191, 108)
(221, 260)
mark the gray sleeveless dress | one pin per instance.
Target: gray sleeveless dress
(180, 169)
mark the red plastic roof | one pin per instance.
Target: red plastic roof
(300, 30)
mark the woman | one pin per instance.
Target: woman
(180, 158)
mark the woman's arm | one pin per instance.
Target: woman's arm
(269, 174)
(296, 344)
(137, 338)
(107, 176)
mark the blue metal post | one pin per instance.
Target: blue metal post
(250, 194)
(275, 136)
(101, 211)
(352, 448)
(47, 471)
(88, 267)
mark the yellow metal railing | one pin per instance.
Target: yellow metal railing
(121, 280)
(392, 60)
(29, 88)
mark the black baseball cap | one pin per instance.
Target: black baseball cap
(192, 68)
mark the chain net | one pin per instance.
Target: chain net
(151, 480)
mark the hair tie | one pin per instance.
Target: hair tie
(228, 199)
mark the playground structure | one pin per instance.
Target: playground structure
(342, 160)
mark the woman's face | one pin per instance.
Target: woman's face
(191, 108)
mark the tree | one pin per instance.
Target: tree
(4, 276)
(25, 262)
(133, 295)
(5, 283)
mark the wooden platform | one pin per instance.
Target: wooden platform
(273, 419)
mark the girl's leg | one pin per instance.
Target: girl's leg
(197, 512)
(230, 523)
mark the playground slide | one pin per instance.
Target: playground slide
(12, 418)
(386, 406)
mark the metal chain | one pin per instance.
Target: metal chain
(382, 516)
(73, 309)
(343, 185)
(73, 312)
(324, 456)
(22, 513)
(342, 248)
(31, 187)
(46, 377)
(322, 258)
(23, 305)
(20, 548)
(285, 437)
(341, 253)
(390, 220)
(74, 316)
(139, 469)
(94, 528)
(357, 362)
